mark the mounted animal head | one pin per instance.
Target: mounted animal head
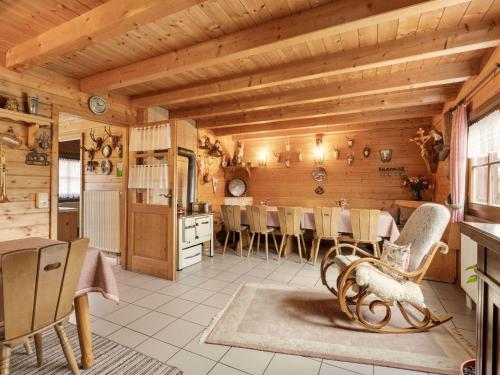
(97, 141)
(90, 152)
(115, 139)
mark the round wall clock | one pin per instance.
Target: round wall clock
(106, 151)
(98, 105)
(106, 167)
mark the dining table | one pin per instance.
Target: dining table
(96, 276)
(387, 227)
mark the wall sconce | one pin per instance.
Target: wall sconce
(350, 142)
(319, 156)
(350, 159)
(319, 140)
(336, 153)
(287, 146)
(287, 163)
(300, 155)
(262, 159)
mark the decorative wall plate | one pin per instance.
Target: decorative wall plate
(106, 167)
(385, 155)
(106, 151)
(237, 187)
(319, 174)
(98, 105)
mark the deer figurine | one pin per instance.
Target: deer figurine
(97, 141)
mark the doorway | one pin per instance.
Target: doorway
(70, 188)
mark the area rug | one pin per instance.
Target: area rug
(308, 322)
(109, 358)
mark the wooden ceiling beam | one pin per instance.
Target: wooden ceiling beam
(332, 129)
(412, 48)
(415, 78)
(427, 110)
(329, 19)
(112, 18)
(400, 99)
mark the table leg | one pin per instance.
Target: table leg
(84, 331)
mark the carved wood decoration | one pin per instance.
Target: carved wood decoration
(430, 147)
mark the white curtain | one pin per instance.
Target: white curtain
(150, 138)
(69, 178)
(152, 176)
(484, 136)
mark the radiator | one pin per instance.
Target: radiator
(101, 219)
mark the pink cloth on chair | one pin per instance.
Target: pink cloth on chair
(458, 161)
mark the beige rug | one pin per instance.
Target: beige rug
(308, 322)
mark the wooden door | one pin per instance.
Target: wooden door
(152, 221)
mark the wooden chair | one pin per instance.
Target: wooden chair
(39, 286)
(365, 228)
(289, 218)
(326, 221)
(257, 219)
(365, 284)
(231, 214)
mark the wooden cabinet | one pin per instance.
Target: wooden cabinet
(487, 237)
(67, 224)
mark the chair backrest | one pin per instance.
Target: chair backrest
(289, 218)
(423, 229)
(257, 218)
(364, 224)
(326, 221)
(231, 214)
(39, 286)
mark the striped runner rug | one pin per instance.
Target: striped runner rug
(109, 358)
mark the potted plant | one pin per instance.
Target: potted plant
(417, 185)
(469, 366)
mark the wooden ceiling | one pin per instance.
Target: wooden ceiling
(260, 66)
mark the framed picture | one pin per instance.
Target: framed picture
(119, 169)
(386, 155)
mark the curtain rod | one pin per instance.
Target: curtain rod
(466, 99)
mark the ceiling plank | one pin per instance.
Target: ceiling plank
(400, 99)
(412, 48)
(112, 18)
(410, 79)
(332, 129)
(427, 110)
(316, 23)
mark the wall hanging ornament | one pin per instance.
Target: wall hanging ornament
(350, 142)
(350, 159)
(300, 155)
(238, 154)
(92, 165)
(90, 152)
(319, 190)
(385, 155)
(336, 153)
(98, 141)
(367, 151)
(106, 167)
(106, 151)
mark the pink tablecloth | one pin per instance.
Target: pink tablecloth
(387, 226)
(97, 275)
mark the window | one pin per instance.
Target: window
(484, 159)
(69, 178)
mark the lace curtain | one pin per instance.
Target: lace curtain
(69, 178)
(150, 138)
(484, 136)
(153, 176)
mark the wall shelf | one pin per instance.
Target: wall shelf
(25, 118)
(245, 168)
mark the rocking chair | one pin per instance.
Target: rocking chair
(367, 283)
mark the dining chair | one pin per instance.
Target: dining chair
(326, 222)
(289, 219)
(231, 215)
(39, 286)
(257, 220)
(365, 228)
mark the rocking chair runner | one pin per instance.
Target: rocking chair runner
(362, 285)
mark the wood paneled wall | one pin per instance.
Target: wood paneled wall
(360, 183)
(20, 218)
(205, 190)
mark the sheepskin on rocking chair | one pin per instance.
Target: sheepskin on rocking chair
(367, 283)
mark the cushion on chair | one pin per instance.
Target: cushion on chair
(396, 256)
(423, 229)
(387, 288)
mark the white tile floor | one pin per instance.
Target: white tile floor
(164, 320)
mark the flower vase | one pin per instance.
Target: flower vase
(418, 195)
